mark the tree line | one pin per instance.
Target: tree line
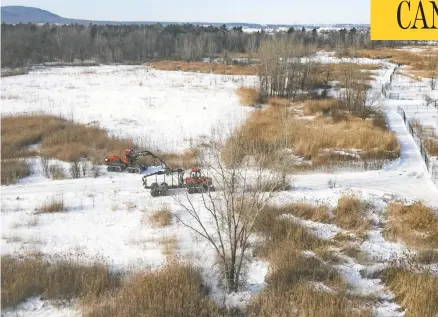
(27, 44)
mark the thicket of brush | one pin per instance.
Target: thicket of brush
(299, 284)
(13, 170)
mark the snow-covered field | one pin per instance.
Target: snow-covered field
(107, 217)
(168, 110)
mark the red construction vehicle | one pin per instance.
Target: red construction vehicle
(129, 162)
(161, 181)
(196, 182)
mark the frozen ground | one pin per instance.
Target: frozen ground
(107, 217)
(165, 109)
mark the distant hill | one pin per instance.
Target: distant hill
(21, 14)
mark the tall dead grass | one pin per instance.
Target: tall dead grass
(299, 284)
(174, 291)
(248, 96)
(415, 224)
(350, 213)
(315, 140)
(416, 292)
(319, 213)
(161, 217)
(58, 138)
(51, 205)
(23, 278)
(13, 170)
(200, 67)
(421, 63)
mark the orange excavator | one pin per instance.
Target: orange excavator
(129, 162)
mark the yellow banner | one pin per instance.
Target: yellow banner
(404, 20)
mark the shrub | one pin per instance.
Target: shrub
(56, 171)
(161, 217)
(13, 170)
(54, 204)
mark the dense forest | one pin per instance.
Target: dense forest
(29, 44)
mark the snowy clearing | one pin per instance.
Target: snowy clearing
(107, 217)
(167, 110)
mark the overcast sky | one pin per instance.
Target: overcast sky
(256, 11)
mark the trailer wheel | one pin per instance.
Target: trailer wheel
(155, 192)
(190, 190)
(164, 188)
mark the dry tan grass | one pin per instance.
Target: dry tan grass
(427, 256)
(299, 284)
(312, 107)
(199, 67)
(416, 292)
(312, 139)
(23, 278)
(248, 96)
(51, 205)
(58, 138)
(323, 74)
(415, 224)
(421, 64)
(319, 213)
(280, 102)
(161, 217)
(175, 290)
(350, 213)
(186, 160)
(13, 170)
(305, 300)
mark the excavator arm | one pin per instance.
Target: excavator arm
(149, 153)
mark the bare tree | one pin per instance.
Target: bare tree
(226, 217)
(75, 169)
(45, 165)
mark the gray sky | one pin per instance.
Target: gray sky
(256, 11)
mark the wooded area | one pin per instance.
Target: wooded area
(27, 44)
